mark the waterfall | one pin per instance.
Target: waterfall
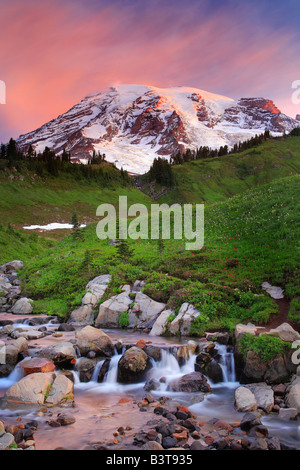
(227, 363)
(96, 371)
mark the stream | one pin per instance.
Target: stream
(96, 404)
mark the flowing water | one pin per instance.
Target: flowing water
(95, 402)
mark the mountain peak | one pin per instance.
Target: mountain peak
(132, 124)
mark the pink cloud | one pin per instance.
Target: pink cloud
(57, 52)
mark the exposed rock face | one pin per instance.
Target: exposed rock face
(159, 326)
(184, 320)
(133, 124)
(62, 388)
(144, 312)
(82, 316)
(275, 371)
(193, 382)
(241, 330)
(133, 366)
(95, 290)
(23, 306)
(111, 309)
(92, 339)
(285, 332)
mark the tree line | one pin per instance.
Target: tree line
(49, 163)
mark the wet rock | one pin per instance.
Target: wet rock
(219, 337)
(14, 349)
(220, 443)
(65, 419)
(197, 445)
(151, 384)
(85, 367)
(152, 445)
(274, 443)
(168, 442)
(193, 382)
(259, 444)
(66, 327)
(153, 351)
(61, 390)
(133, 365)
(214, 371)
(62, 354)
(286, 414)
(93, 339)
(6, 440)
(249, 421)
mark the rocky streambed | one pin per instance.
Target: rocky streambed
(86, 385)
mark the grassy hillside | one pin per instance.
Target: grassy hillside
(217, 179)
(29, 199)
(249, 239)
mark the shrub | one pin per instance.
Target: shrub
(265, 346)
(124, 320)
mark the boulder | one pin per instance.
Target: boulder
(244, 400)
(5, 285)
(23, 306)
(159, 326)
(220, 337)
(12, 350)
(184, 320)
(133, 366)
(6, 440)
(82, 316)
(293, 395)
(144, 312)
(14, 266)
(286, 414)
(214, 372)
(285, 332)
(273, 291)
(85, 367)
(275, 371)
(37, 364)
(241, 330)
(65, 419)
(28, 334)
(62, 354)
(92, 339)
(62, 389)
(30, 389)
(264, 396)
(111, 309)
(95, 290)
(193, 382)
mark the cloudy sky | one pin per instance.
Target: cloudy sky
(53, 52)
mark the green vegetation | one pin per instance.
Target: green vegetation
(265, 346)
(124, 320)
(217, 179)
(294, 312)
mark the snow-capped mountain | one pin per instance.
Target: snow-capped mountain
(133, 124)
